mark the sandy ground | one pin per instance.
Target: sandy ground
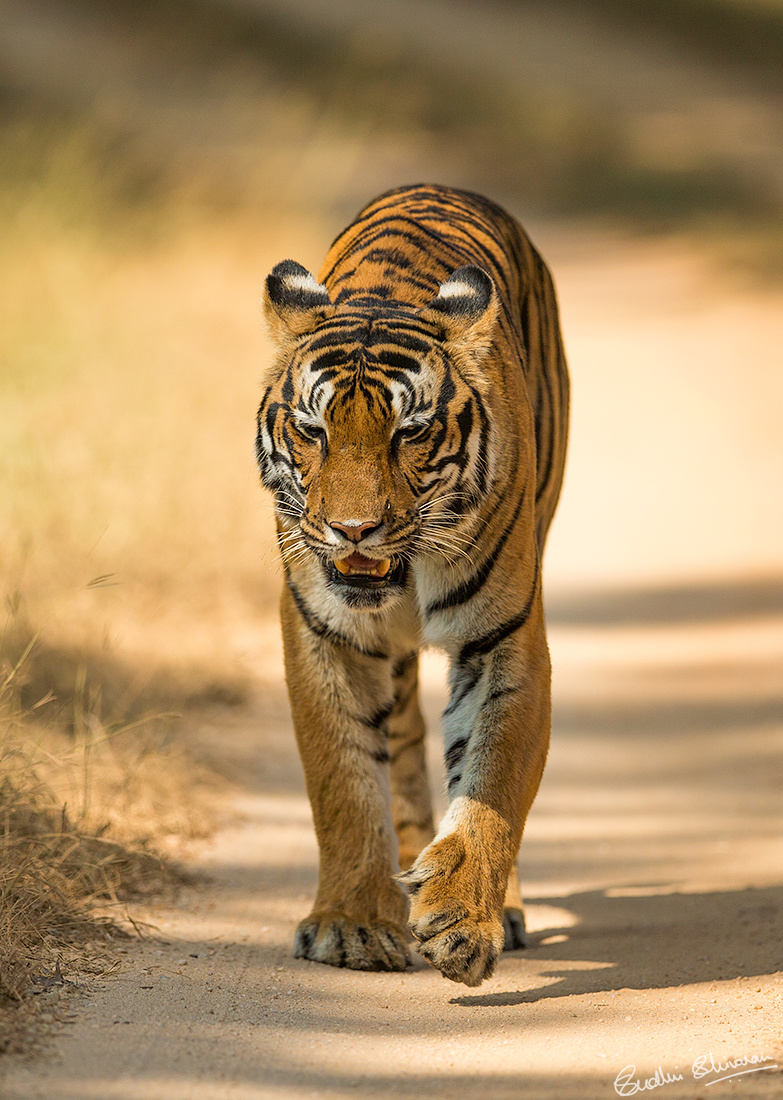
(652, 864)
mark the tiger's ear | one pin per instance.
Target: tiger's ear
(466, 308)
(294, 302)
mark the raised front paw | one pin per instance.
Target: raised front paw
(466, 951)
(453, 914)
(340, 940)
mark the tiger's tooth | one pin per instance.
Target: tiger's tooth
(383, 567)
(343, 567)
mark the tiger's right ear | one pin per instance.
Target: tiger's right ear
(294, 303)
(466, 310)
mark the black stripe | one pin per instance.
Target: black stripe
(474, 584)
(381, 716)
(545, 400)
(445, 395)
(464, 420)
(461, 690)
(487, 642)
(288, 387)
(321, 630)
(482, 460)
(405, 336)
(330, 356)
(392, 270)
(404, 663)
(396, 359)
(499, 693)
(455, 752)
(402, 702)
(385, 229)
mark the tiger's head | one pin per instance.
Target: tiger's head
(374, 432)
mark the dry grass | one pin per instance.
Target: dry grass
(85, 814)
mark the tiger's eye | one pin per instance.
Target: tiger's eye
(313, 433)
(413, 433)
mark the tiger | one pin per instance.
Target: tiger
(412, 431)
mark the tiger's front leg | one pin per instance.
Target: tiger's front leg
(340, 699)
(497, 735)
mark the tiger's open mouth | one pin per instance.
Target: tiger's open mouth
(358, 565)
(362, 572)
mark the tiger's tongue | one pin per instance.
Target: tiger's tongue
(358, 561)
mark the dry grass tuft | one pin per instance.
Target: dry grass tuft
(86, 811)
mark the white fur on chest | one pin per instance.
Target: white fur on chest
(395, 630)
(443, 629)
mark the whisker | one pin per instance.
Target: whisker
(449, 496)
(448, 536)
(451, 553)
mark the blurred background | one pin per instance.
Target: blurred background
(158, 157)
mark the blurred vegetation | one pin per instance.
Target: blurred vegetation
(744, 35)
(292, 98)
(59, 166)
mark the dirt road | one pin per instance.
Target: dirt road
(652, 869)
(652, 861)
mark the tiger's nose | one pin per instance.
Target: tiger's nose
(354, 531)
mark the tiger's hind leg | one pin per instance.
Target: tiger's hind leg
(411, 797)
(514, 931)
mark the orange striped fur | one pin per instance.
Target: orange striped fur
(413, 432)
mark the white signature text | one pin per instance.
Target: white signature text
(626, 1083)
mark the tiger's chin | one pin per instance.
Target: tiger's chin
(366, 583)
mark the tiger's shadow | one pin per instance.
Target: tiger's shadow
(647, 942)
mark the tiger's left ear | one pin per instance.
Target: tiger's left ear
(294, 303)
(466, 308)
